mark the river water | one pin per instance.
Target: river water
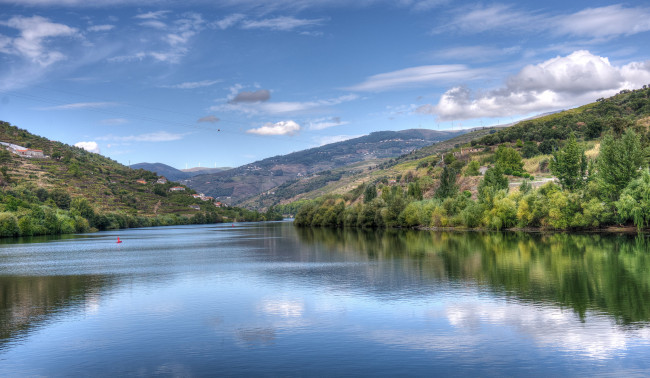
(270, 299)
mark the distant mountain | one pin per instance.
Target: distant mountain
(239, 184)
(204, 170)
(161, 169)
(174, 174)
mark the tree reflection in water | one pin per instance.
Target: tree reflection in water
(599, 272)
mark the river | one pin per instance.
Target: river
(270, 299)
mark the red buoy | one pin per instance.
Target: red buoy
(118, 239)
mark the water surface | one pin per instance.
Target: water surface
(269, 299)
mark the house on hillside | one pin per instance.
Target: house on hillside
(141, 181)
(197, 196)
(161, 180)
(176, 189)
(195, 207)
(29, 153)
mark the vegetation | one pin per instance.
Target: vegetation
(608, 186)
(77, 191)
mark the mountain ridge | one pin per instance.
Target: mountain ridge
(238, 184)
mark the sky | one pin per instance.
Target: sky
(225, 83)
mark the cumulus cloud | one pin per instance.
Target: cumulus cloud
(88, 146)
(561, 82)
(34, 32)
(209, 119)
(257, 96)
(159, 136)
(416, 76)
(278, 128)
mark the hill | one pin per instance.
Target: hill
(47, 187)
(174, 174)
(161, 169)
(239, 184)
(582, 168)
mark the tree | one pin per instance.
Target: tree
(370, 193)
(509, 160)
(635, 201)
(529, 150)
(492, 181)
(619, 162)
(448, 185)
(569, 164)
(472, 168)
(415, 191)
(61, 198)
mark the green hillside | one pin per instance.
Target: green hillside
(576, 169)
(239, 185)
(73, 190)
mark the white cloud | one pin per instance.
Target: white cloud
(159, 136)
(34, 32)
(416, 76)
(606, 21)
(152, 15)
(475, 53)
(81, 105)
(229, 21)
(100, 28)
(154, 24)
(278, 128)
(194, 84)
(282, 108)
(325, 123)
(557, 83)
(88, 146)
(209, 118)
(602, 22)
(280, 23)
(172, 45)
(481, 18)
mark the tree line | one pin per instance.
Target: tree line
(612, 189)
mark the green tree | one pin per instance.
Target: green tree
(492, 181)
(415, 191)
(529, 150)
(472, 168)
(619, 162)
(634, 203)
(569, 164)
(61, 198)
(370, 193)
(448, 186)
(509, 160)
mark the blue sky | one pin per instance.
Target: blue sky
(229, 82)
